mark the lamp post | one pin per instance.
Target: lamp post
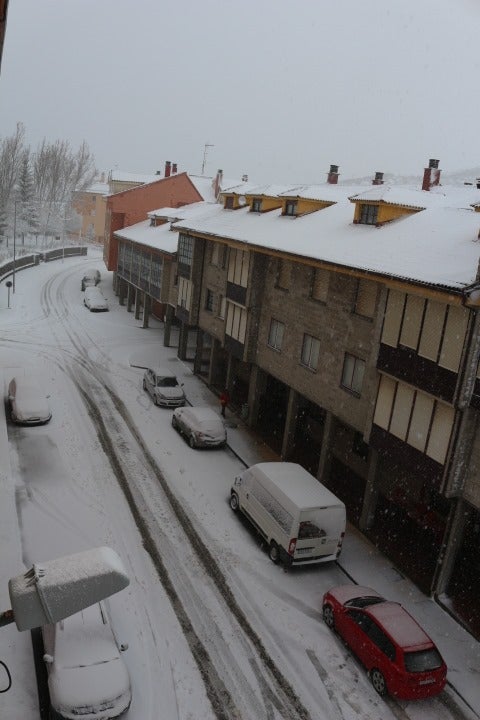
(14, 241)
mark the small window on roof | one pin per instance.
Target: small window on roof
(291, 207)
(256, 205)
(229, 202)
(368, 214)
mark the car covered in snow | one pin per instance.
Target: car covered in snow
(94, 300)
(91, 277)
(87, 677)
(200, 425)
(401, 659)
(163, 387)
(28, 404)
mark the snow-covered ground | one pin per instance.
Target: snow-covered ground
(214, 629)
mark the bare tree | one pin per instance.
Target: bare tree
(11, 150)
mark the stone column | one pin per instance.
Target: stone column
(370, 497)
(167, 328)
(183, 342)
(197, 362)
(146, 310)
(325, 451)
(290, 420)
(130, 297)
(122, 291)
(456, 524)
(138, 304)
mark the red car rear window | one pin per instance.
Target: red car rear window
(422, 660)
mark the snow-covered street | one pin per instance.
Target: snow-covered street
(214, 629)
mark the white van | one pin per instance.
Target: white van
(301, 520)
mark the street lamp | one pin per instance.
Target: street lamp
(14, 241)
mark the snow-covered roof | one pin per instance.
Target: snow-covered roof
(438, 246)
(129, 177)
(203, 185)
(161, 237)
(327, 192)
(270, 190)
(98, 188)
(417, 198)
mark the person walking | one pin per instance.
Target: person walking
(224, 400)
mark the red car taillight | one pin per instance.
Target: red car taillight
(292, 545)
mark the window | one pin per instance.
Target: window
(185, 250)
(236, 322)
(275, 336)
(209, 298)
(352, 375)
(368, 214)
(256, 205)
(414, 417)
(310, 352)
(434, 330)
(291, 207)
(229, 202)
(238, 265)
(366, 298)
(381, 640)
(283, 274)
(184, 293)
(320, 282)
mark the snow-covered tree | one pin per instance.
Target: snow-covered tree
(27, 210)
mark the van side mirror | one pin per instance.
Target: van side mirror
(123, 647)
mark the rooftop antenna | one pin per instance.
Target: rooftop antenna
(205, 150)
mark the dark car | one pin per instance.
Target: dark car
(400, 657)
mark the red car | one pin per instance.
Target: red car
(400, 657)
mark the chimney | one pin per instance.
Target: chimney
(174, 168)
(332, 177)
(245, 178)
(217, 183)
(477, 183)
(168, 166)
(431, 175)
(378, 179)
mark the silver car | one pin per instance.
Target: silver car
(28, 404)
(163, 387)
(87, 677)
(201, 426)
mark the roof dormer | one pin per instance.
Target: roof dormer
(382, 204)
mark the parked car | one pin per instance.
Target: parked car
(301, 521)
(92, 277)
(399, 656)
(94, 300)
(28, 404)
(201, 426)
(87, 676)
(163, 387)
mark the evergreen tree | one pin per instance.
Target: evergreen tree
(27, 215)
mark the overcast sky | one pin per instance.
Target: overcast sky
(281, 89)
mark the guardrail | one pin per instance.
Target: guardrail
(24, 261)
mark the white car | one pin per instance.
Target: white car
(28, 404)
(200, 425)
(163, 387)
(94, 300)
(87, 677)
(91, 278)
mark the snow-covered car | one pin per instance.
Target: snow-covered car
(201, 426)
(87, 677)
(94, 300)
(92, 277)
(28, 404)
(163, 387)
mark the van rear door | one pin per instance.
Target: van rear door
(319, 533)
